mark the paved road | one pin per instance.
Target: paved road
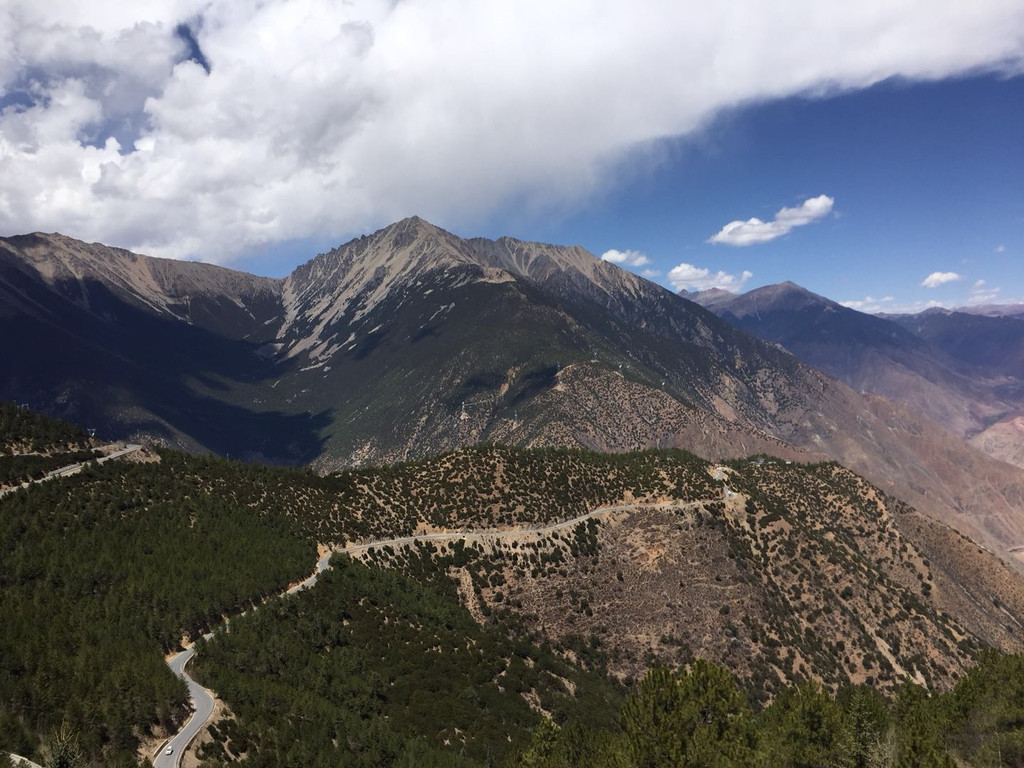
(22, 762)
(72, 469)
(202, 699)
(202, 706)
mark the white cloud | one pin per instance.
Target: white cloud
(1000, 248)
(754, 231)
(935, 279)
(691, 278)
(321, 118)
(625, 258)
(650, 274)
(982, 293)
(888, 305)
(869, 304)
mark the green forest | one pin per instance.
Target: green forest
(699, 717)
(103, 573)
(373, 667)
(23, 430)
(15, 470)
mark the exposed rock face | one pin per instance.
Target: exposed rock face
(232, 302)
(412, 341)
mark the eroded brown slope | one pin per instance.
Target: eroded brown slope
(784, 571)
(904, 454)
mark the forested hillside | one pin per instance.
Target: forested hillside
(518, 646)
(434, 688)
(699, 717)
(102, 574)
(31, 445)
(24, 431)
(372, 668)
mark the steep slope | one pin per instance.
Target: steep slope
(990, 343)
(871, 354)
(412, 341)
(447, 342)
(773, 568)
(1003, 440)
(216, 299)
(782, 571)
(131, 345)
(989, 340)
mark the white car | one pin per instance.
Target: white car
(169, 751)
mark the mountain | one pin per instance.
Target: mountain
(412, 341)
(994, 310)
(989, 340)
(990, 343)
(882, 355)
(131, 345)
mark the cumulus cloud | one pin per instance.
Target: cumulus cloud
(691, 278)
(754, 231)
(320, 118)
(1000, 248)
(625, 258)
(935, 279)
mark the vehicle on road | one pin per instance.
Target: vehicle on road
(169, 751)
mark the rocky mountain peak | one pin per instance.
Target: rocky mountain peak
(710, 298)
(352, 279)
(348, 281)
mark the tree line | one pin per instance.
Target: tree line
(26, 430)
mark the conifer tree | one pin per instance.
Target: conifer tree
(65, 751)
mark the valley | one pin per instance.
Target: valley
(412, 341)
(539, 491)
(958, 368)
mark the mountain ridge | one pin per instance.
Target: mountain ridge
(871, 353)
(412, 341)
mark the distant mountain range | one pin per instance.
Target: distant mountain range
(412, 341)
(964, 371)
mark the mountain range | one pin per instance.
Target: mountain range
(964, 370)
(412, 341)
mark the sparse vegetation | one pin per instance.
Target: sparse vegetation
(812, 587)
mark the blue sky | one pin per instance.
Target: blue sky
(861, 149)
(926, 178)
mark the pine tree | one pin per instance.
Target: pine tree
(65, 751)
(805, 728)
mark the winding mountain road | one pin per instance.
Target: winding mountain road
(202, 710)
(72, 469)
(202, 698)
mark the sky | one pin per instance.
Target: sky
(872, 151)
